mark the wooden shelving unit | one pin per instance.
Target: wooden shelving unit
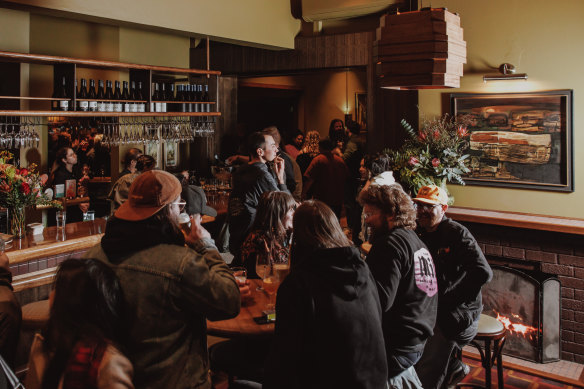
(105, 114)
(67, 67)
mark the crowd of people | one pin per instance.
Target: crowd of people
(133, 312)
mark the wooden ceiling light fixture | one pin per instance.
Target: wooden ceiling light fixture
(420, 50)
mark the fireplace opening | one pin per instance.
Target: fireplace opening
(528, 303)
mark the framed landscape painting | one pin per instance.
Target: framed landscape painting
(519, 140)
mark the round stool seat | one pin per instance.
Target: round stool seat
(35, 315)
(489, 326)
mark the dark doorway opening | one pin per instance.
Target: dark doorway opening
(261, 105)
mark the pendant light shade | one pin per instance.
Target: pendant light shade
(420, 50)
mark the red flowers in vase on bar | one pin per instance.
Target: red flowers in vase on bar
(19, 188)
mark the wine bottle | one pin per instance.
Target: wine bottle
(188, 97)
(101, 105)
(207, 107)
(133, 97)
(60, 93)
(179, 98)
(118, 105)
(109, 96)
(126, 97)
(92, 96)
(156, 98)
(194, 107)
(172, 106)
(163, 97)
(82, 104)
(140, 96)
(198, 93)
(154, 95)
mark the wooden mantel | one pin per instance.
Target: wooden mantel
(519, 220)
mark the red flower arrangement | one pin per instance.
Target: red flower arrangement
(19, 188)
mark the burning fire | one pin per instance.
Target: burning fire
(519, 328)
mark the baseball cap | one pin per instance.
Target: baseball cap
(150, 192)
(196, 201)
(432, 194)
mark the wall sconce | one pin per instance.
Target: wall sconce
(506, 72)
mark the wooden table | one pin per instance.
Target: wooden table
(243, 324)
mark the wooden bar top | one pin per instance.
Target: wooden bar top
(78, 236)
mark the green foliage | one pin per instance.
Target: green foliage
(435, 154)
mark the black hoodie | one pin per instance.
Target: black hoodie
(328, 327)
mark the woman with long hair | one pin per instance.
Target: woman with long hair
(270, 231)
(328, 327)
(337, 133)
(80, 346)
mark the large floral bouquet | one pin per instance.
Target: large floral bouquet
(434, 154)
(19, 187)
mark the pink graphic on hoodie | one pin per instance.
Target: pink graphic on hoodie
(425, 272)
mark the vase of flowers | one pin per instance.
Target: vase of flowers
(19, 188)
(433, 155)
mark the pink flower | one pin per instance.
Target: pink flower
(23, 172)
(435, 162)
(421, 136)
(462, 131)
(436, 134)
(413, 161)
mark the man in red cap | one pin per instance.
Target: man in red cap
(172, 283)
(461, 270)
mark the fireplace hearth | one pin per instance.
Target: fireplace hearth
(528, 303)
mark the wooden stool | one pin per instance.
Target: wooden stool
(35, 315)
(490, 331)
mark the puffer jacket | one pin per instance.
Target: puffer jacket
(170, 291)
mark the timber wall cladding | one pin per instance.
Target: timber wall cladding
(316, 52)
(557, 253)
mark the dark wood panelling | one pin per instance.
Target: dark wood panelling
(202, 151)
(315, 52)
(385, 108)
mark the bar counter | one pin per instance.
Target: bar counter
(34, 258)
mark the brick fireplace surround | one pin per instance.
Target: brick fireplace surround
(557, 244)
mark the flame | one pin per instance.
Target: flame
(518, 328)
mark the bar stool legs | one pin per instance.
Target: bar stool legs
(492, 333)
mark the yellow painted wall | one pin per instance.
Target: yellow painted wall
(147, 47)
(325, 96)
(542, 39)
(14, 30)
(261, 22)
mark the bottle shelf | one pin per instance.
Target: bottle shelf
(122, 101)
(183, 102)
(105, 114)
(53, 60)
(32, 98)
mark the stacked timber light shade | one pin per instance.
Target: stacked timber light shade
(420, 50)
